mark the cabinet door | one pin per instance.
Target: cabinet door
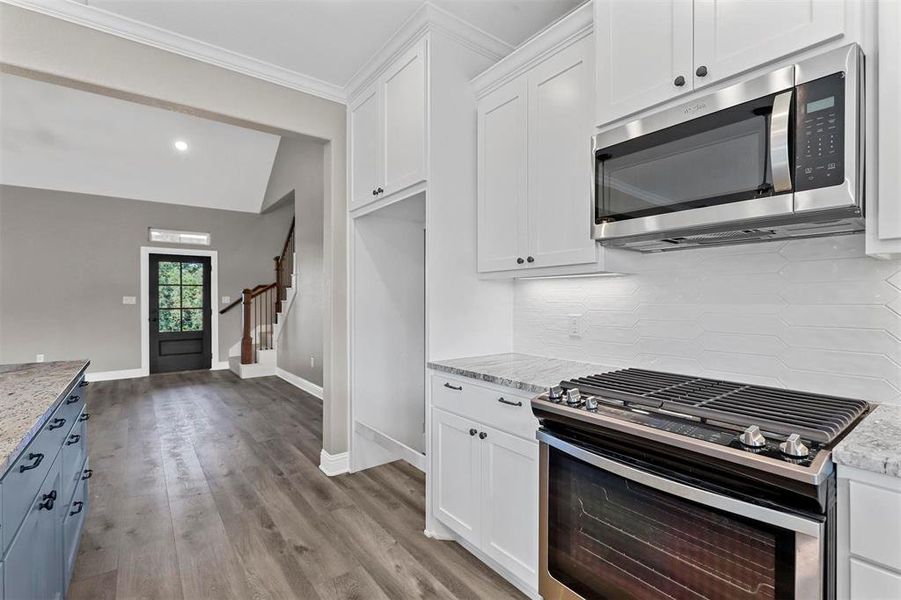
(510, 502)
(731, 37)
(365, 146)
(404, 98)
(456, 474)
(560, 163)
(33, 567)
(502, 177)
(641, 48)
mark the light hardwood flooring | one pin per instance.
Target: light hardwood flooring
(207, 486)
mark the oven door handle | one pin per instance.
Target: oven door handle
(808, 527)
(779, 140)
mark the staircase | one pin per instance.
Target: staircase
(262, 317)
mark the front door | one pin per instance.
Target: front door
(179, 313)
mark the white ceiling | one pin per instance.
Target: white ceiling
(58, 138)
(328, 40)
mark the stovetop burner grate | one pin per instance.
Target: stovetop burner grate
(814, 417)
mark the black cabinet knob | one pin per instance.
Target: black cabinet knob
(88, 473)
(530, 259)
(482, 435)
(380, 190)
(702, 71)
(472, 432)
(375, 193)
(519, 261)
(679, 81)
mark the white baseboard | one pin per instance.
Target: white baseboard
(333, 464)
(299, 382)
(111, 375)
(219, 366)
(395, 448)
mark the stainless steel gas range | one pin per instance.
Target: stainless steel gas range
(658, 485)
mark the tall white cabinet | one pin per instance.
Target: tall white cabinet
(535, 128)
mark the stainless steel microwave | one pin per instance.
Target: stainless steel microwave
(773, 157)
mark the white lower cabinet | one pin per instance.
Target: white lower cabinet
(484, 473)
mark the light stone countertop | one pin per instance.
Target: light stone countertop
(875, 444)
(29, 393)
(525, 372)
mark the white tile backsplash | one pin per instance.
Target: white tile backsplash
(815, 315)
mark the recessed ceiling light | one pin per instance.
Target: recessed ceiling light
(181, 145)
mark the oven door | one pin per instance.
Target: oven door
(611, 530)
(721, 159)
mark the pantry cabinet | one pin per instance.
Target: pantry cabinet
(650, 52)
(535, 167)
(387, 123)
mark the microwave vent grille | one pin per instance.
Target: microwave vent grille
(724, 236)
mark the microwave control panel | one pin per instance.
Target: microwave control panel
(820, 133)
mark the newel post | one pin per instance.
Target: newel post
(246, 339)
(278, 284)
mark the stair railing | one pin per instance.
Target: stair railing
(284, 267)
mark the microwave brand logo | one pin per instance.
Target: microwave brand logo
(690, 110)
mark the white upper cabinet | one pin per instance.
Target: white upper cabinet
(559, 207)
(502, 176)
(651, 51)
(387, 129)
(731, 36)
(643, 54)
(365, 158)
(404, 96)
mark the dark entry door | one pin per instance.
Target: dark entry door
(179, 313)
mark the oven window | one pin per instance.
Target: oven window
(716, 159)
(609, 537)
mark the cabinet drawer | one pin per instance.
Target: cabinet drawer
(502, 408)
(74, 453)
(72, 524)
(24, 479)
(72, 405)
(869, 582)
(872, 509)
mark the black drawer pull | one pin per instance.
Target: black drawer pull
(84, 417)
(458, 388)
(73, 439)
(510, 402)
(73, 399)
(48, 501)
(56, 424)
(37, 458)
(78, 506)
(88, 473)
(483, 435)
(83, 384)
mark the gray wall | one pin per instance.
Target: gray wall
(298, 168)
(66, 261)
(37, 45)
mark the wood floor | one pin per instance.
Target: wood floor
(207, 486)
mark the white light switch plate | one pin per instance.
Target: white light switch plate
(39, 358)
(575, 326)
(129, 300)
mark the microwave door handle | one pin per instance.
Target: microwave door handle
(779, 139)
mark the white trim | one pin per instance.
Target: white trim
(111, 375)
(146, 251)
(299, 382)
(395, 447)
(149, 35)
(333, 464)
(219, 365)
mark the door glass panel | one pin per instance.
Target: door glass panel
(170, 320)
(716, 159)
(609, 537)
(180, 295)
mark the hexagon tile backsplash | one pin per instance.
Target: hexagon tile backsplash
(814, 315)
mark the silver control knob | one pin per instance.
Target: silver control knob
(793, 447)
(555, 393)
(573, 397)
(591, 403)
(752, 438)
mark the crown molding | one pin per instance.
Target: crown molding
(563, 32)
(117, 25)
(426, 18)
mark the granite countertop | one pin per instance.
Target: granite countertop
(875, 444)
(29, 393)
(525, 372)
